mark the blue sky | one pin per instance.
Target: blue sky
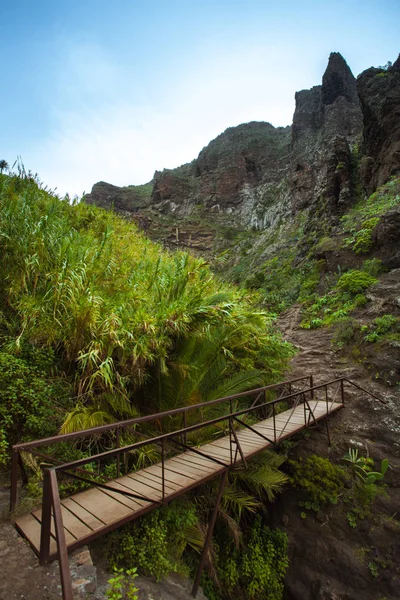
(113, 90)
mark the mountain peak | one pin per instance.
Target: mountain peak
(338, 80)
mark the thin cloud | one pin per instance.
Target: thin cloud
(96, 135)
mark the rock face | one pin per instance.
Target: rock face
(326, 124)
(121, 199)
(256, 176)
(237, 174)
(379, 92)
(260, 174)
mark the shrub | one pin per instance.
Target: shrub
(362, 240)
(385, 324)
(144, 544)
(255, 572)
(373, 267)
(30, 398)
(355, 281)
(321, 480)
(380, 327)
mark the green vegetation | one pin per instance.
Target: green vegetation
(33, 396)
(354, 488)
(321, 480)
(144, 544)
(355, 282)
(122, 317)
(143, 191)
(360, 221)
(122, 585)
(351, 333)
(256, 571)
(97, 323)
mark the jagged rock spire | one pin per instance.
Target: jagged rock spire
(338, 80)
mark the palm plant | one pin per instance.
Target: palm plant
(3, 165)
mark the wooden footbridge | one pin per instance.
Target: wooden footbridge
(244, 425)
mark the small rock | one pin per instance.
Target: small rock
(83, 558)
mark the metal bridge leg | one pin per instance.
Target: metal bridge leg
(209, 535)
(327, 431)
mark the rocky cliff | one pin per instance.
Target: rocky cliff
(256, 175)
(379, 92)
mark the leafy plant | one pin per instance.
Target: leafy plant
(355, 281)
(32, 401)
(373, 569)
(255, 572)
(122, 585)
(321, 480)
(361, 467)
(143, 543)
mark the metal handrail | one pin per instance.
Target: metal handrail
(153, 417)
(51, 504)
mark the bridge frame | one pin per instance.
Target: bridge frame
(51, 504)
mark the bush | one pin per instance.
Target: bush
(355, 281)
(380, 327)
(255, 572)
(143, 544)
(321, 480)
(362, 240)
(29, 398)
(373, 267)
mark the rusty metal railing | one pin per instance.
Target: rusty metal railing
(177, 439)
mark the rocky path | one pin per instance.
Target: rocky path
(328, 559)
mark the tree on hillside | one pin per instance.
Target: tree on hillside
(3, 165)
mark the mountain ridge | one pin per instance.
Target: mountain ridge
(238, 175)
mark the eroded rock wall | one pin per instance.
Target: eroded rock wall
(257, 176)
(379, 92)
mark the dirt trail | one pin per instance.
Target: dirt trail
(328, 559)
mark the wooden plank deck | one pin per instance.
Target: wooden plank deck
(90, 513)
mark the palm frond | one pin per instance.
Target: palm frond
(232, 525)
(235, 501)
(262, 480)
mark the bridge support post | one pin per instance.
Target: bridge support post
(209, 535)
(65, 574)
(327, 431)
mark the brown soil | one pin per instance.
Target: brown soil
(329, 559)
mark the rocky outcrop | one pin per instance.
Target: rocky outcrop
(121, 199)
(386, 238)
(379, 92)
(240, 172)
(257, 176)
(326, 124)
(250, 157)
